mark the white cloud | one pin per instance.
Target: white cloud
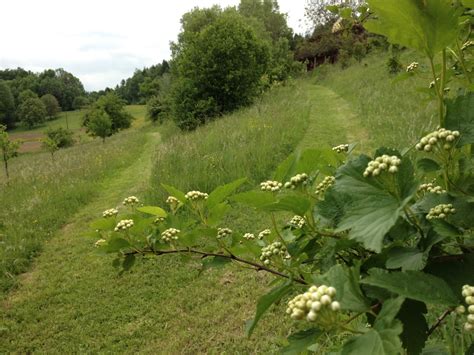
(100, 41)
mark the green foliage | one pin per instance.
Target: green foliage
(7, 105)
(8, 147)
(51, 104)
(158, 108)
(218, 71)
(61, 136)
(98, 123)
(32, 112)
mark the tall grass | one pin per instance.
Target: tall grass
(42, 195)
(394, 114)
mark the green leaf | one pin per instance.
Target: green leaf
(383, 338)
(468, 3)
(415, 328)
(265, 302)
(222, 192)
(460, 117)
(293, 203)
(217, 213)
(103, 224)
(300, 341)
(175, 192)
(128, 262)
(114, 245)
(346, 13)
(153, 210)
(406, 258)
(427, 165)
(255, 199)
(416, 285)
(283, 170)
(346, 282)
(373, 211)
(333, 8)
(428, 26)
(214, 262)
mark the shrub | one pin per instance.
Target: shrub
(51, 104)
(32, 112)
(61, 136)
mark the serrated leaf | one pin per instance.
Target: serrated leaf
(406, 259)
(173, 191)
(103, 224)
(300, 341)
(416, 285)
(346, 13)
(255, 199)
(265, 302)
(114, 245)
(214, 262)
(222, 192)
(373, 211)
(217, 212)
(428, 26)
(283, 170)
(460, 117)
(153, 210)
(427, 165)
(415, 327)
(128, 262)
(294, 203)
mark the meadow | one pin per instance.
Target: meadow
(74, 301)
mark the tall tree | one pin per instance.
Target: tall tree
(32, 112)
(7, 105)
(51, 104)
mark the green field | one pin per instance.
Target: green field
(71, 300)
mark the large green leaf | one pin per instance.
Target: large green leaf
(103, 224)
(383, 338)
(416, 285)
(255, 199)
(406, 259)
(175, 192)
(460, 117)
(292, 203)
(153, 210)
(300, 341)
(266, 301)
(221, 192)
(428, 26)
(373, 210)
(415, 328)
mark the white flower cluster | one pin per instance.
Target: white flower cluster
(223, 232)
(270, 185)
(316, 303)
(468, 294)
(173, 201)
(431, 188)
(264, 233)
(110, 212)
(325, 184)
(274, 249)
(159, 220)
(412, 67)
(341, 148)
(130, 201)
(196, 195)
(297, 222)
(432, 84)
(100, 242)
(442, 137)
(170, 234)
(249, 236)
(467, 45)
(124, 224)
(297, 180)
(382, 163)
(441, 211)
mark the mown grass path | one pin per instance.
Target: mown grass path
(74, 301)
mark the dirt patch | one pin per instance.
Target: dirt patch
(31, 141)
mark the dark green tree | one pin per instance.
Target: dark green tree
(51, 104)
(98, 124)
(61, 136)
(25, 95)
(7, 105)
(32, 112)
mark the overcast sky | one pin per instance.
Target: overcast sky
(99, 41)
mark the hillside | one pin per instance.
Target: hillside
(73, 301)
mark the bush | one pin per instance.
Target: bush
(61, 136)
(158, 108)
(98, 124)
(51, 104)
(32, 112)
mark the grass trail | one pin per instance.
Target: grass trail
(74, 301)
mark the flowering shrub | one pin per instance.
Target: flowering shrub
(394, 248)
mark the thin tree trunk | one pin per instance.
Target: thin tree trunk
(5, 162)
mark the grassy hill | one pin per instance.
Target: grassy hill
(74, 301)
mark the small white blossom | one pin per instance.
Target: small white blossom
(172, 201)
(315, 305)
(341, 148)
(297, 180)
(381, 164)
(223, 232)
(440, 211)
(297, 222)
(196, 195)
(270, 185)
(432, 84)
(124, 224)
(412, 67)
(110, 213)
(100, 242)
(159, 220)
(130, 201)
(431, 188)
(442, 139)
(170, 234)
(276, 249)
(249, 236)
(325, 184)
(468, 294)
(264, 233)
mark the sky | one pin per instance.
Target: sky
(100, 41)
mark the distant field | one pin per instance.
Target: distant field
(70, 119)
